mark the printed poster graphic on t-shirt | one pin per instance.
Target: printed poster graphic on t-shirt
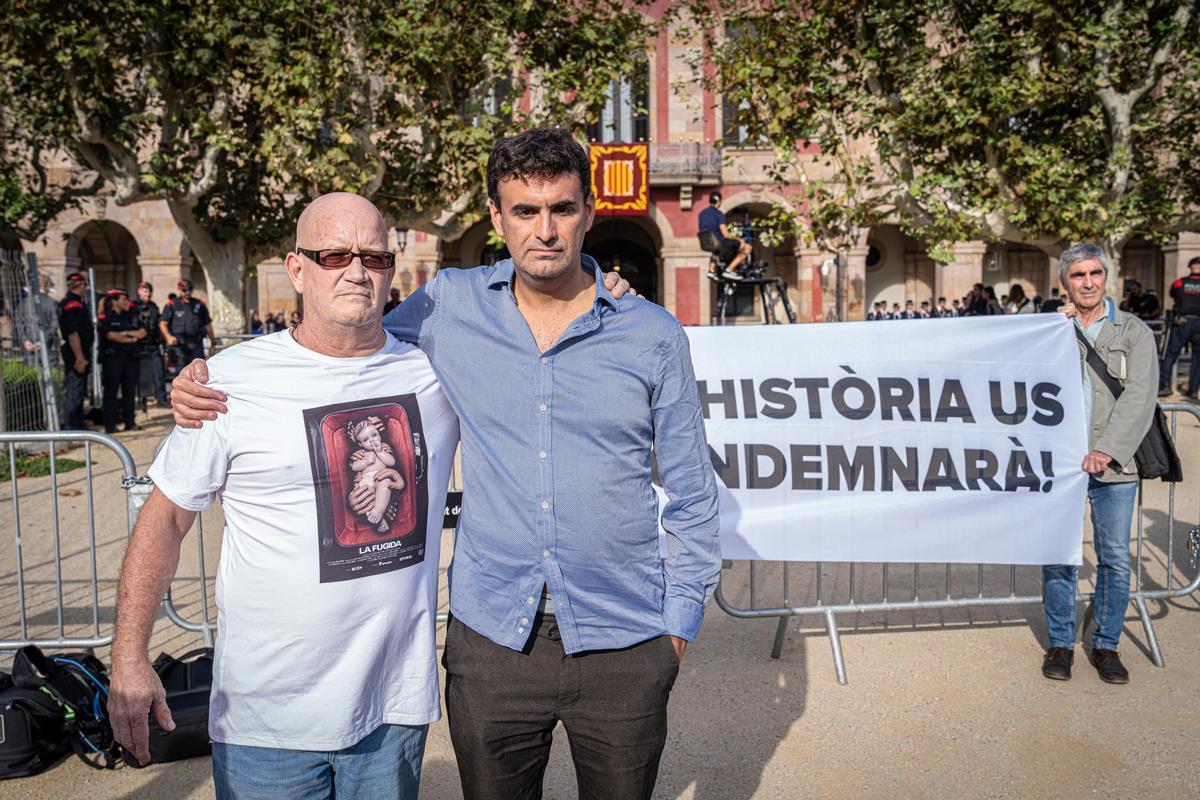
(368, 468)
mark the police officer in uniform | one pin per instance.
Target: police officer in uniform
(121, 335)
(152, 362)
(1185, 329)
(75, 325)
(184, 322)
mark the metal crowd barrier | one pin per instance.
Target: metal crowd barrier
(71, 588)
(815, 580)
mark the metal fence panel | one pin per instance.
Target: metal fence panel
(30, 361)
(52, 578)
(826, 590)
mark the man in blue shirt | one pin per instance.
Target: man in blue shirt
(732, 250)
(562, 607)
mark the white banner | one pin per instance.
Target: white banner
(917, 441)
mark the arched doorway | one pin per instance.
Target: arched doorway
(1009, 265)
(622, 245)
(898, 270)
(110, 251)
(1143, 261)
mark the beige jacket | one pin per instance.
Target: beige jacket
(1117, 427)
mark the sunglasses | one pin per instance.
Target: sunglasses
(337, 259)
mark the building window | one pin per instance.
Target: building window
(625, 117)
(874, 257)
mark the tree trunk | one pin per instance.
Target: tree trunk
(1114, 284)
(224, 265)
(225, 276)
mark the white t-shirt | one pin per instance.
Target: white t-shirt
(326, 616)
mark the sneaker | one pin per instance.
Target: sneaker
(1057, 664)
(1108, 666)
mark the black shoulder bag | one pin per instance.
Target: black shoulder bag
(188, 683)
(1155, 456)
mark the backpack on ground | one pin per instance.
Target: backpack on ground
(79, 683)
(33, 730)
(188, 683)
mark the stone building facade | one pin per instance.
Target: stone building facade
(692, 152)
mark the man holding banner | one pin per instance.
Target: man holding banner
(1116, 426)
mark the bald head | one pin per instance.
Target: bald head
(336, 215)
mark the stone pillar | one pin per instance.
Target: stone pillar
(954, 280)
(854, 274)
(275, 289)
(163, 273)
(57, 268)
(685, 288)
(1052, 281)
(1176, 256)
(811, 301)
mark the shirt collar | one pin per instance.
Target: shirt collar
(1110, 314)
(503, 272)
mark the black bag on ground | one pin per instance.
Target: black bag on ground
(188, 682)
(1155, 456)
(33, 730)
(79, 683)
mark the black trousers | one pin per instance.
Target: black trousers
(75, 388)
(1177, 337)
(119, 373)
(502, 707)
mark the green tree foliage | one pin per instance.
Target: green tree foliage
(1014, 120)
(236, 114)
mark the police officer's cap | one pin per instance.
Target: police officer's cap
(184, 285)
(76, 277)
(113, 294)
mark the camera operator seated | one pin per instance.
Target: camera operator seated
(732, 251)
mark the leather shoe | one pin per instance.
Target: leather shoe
(1108, 666)
(1057, 664)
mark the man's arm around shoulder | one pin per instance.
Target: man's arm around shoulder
(149, 566)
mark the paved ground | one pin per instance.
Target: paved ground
(938, 705)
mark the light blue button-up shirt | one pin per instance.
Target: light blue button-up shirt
(556, 456)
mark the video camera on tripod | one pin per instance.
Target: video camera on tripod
(751, 273)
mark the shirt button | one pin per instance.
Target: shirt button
(529, 600)
(524, 620)
(545, 554)
(542, 407)
(542, 455)
(545, 362)
(520, 630)
(545, 505)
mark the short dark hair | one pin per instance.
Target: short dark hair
(146, 285)
(714, 198)
(1194, 262)
(543, 153)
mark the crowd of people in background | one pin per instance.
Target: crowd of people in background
(278, 321)
(982, 301)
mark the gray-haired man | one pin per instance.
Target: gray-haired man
(1116, 427)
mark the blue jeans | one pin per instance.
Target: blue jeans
(1112, 515)
(386, 765)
